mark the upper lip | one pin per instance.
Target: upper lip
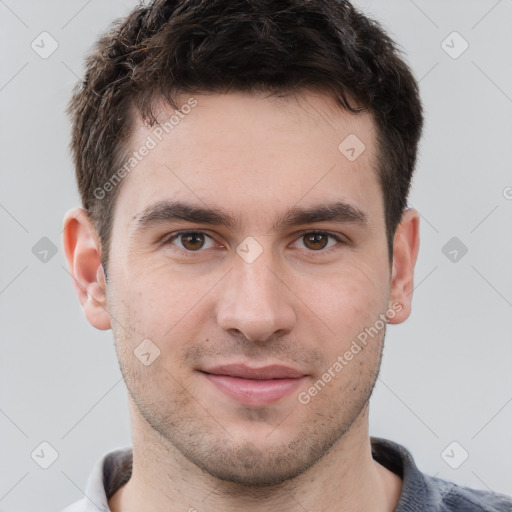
(246, 372)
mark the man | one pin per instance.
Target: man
(244, 168)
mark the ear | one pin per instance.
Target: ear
(83, 254)
(405, 252)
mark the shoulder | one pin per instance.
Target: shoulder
(459, 498)
(110, 472)
(421, 492)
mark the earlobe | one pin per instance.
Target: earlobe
(83, 254)
(405, 253)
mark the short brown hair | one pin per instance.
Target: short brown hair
(191, 46)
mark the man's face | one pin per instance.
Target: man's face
(283, 296)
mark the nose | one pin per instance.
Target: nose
(256, 301)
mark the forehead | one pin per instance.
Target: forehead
(252, 153)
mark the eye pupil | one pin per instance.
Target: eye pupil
(315, 238)
(192, 241)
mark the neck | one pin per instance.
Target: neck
(346, 478)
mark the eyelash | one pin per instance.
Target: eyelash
(177, 234)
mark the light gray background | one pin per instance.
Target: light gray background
(446, 374)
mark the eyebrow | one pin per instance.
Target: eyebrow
(163, 212)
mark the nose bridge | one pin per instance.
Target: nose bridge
(255, 300)
(258, 280)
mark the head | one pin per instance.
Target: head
(249, 124)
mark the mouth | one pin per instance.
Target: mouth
(255, 387)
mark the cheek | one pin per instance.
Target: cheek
(158, 297)
(166, 307)
(349, 298)
(348, 306)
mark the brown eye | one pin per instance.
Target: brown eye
(316, 241)
(192, 241)
(321, 242)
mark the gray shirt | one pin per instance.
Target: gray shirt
(420, 492)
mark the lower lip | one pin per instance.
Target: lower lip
(254, 392)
